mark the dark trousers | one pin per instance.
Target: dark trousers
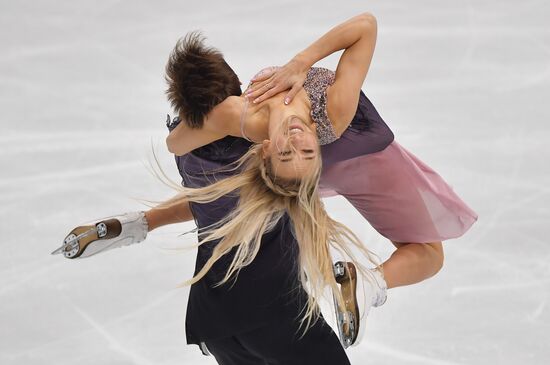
(279, 344)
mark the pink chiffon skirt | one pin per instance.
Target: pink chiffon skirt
(399, 195)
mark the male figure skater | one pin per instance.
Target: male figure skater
(253, 318)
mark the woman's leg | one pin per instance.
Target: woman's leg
(157, 217)
(121, 230)
(412, 263)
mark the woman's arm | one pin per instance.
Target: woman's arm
(357, 36)
(222, 121)
(343, 94)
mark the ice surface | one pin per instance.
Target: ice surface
(464, 85)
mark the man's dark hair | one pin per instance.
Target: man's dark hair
(198, 79)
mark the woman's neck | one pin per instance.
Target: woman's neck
(261, 120)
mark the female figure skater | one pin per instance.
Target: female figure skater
(266, 166)
(400, 196)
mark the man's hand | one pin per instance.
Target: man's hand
(273, 80)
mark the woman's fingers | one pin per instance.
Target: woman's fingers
(292, 93)
(274, 80)
(260, 88)
(262, 84)
(264, 74)
(267, 94)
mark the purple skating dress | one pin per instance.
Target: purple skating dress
(399, 195)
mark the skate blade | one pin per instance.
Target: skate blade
(68, 242)
(59, 250)
(75, 236)
(78, 240)
(347, 278)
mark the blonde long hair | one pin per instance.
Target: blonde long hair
(263, 200)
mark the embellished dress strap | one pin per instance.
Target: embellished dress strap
(315, 85)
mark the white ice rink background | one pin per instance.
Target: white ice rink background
(465, 86)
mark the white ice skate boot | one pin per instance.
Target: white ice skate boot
(351, 326)
(111, 232)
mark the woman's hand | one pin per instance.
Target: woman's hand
(273, 80)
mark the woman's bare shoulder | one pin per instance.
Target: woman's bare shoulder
(225, 117)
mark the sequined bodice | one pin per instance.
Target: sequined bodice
(315, 85)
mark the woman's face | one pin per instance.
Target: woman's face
(293, 148)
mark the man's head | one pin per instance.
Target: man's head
(198, 79)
